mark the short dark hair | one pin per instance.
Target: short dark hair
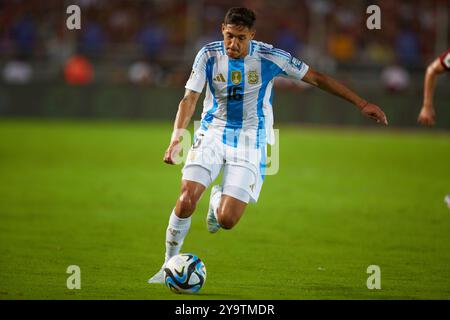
(240, 16)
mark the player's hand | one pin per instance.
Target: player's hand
(374, 112)
(173, 150)
(426, 117)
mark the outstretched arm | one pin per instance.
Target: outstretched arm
(427, 115)
(186, 109)
(330, 85)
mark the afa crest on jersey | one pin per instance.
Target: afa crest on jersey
(253, 77)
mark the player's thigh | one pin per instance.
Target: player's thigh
(195, 174)
(245, 169)
(205, 154)
(238, 182)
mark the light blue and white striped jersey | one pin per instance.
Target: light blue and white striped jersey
(239, 91)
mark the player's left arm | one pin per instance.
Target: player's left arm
(333, 86)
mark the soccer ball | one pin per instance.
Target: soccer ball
(185, 273)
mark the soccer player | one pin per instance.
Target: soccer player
(236, 124)
(439, 65)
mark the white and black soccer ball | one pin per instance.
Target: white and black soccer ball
(185, 273)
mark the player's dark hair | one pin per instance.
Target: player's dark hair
(240, 16)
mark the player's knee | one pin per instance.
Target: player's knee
(187, 202)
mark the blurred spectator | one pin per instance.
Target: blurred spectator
(395, 78)
(379, 53)
(17, 71)
(92, 39)
(152, 39)
(286, 39)
(59, 48)
(24, 34)
(142, 72)
(342, 46)
(121, 24)
(78, 71)
(211, 31)
(345, 18)
(407, 47)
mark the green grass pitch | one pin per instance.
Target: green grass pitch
(98, 195)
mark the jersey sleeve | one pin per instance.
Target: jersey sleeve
(295, 69)
(287, 65)
(197, 79)
(445, 59)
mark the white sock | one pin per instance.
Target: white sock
(176, 232)
(215, 202)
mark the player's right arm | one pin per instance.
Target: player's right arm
(186, 109)
(427, 114)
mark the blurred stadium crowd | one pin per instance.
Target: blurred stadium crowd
(154, 41)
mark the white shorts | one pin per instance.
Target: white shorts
(243, 166)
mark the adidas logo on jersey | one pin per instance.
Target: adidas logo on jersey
(219, 78)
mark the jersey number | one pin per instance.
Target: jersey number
(234, 93)
(198, 141)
